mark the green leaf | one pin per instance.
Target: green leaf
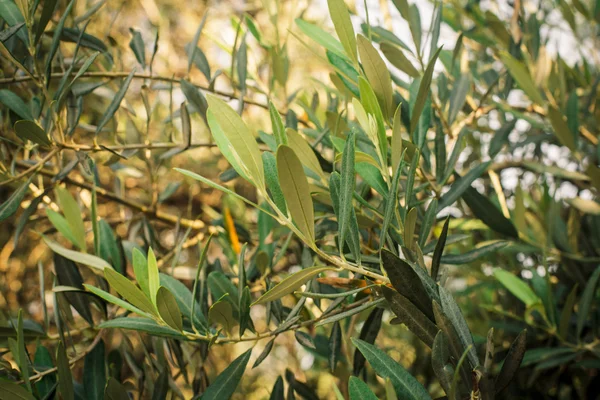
(291, 283)
(12, 391)
(359, 390)
(406, 386)
(410, 223)
(21, 356)
(454, 314)
(368, 333)
(511, 362)
(369, 101)
(335, 345)
(521, 75)
(168, 309)
(72, 213)
(184, 299)
(391, 204)
(398, 59)
(408, 314)
(10, 206)
(136, 44)
(586, 301)
(29, 130)
(567, 312)
(272, 181)
(321, 37)
(115, 391)
(349, 313)
(423, 93)
(294, 186)
(115, 300)
(61, 225)
(142, 325)
(439, 249)
(221, 314)
(82, 258)
(501, 137)
(15, 104)
(47, 11)
(347, 184)
(153, 277)
(129, 291)
(440, 355)
(195, 97)
(486, 211)
(245, 303)
(42, 360)
(68, 274)
(343, 26)
(242, 64)
(458, 96)
(194, 42)
(305, 340)
(377, 74)
(264, 354)
(475, 254)
(277, 125)
(140, 270)
(221, 287)
(427, 222)
(406, 282)
(94, 372)
(109, 249)
(225, 384)
(561, 128)
(304, 151)
(461, 185)
(372, 176)
(115, 103)
(65, 379)
(517, 287)
(242, 141)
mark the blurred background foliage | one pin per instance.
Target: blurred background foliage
(513, 110)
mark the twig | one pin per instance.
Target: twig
(35, 167)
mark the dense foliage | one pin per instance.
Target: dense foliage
(422, 224)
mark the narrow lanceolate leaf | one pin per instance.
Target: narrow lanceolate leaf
(567, 312)
(10, 206)
(512, 361)
(586, 301)
(391, 202)
(347, 183)
(408, 314)
(277, 125)
(224, 386)
(94, 372)
(439, 250)
(456, 348)
(423, 92)
(440, 356)
(153, 276)
(115, 300)
(140, 270)
(65, 380)
(272, 181)
(194, 43)
(136, 44)
(461, 185)
(501, 137)
(29, 130)
(377, 75)
(265, 353)
(410, 223)
(458, 96)
(14, 391)
(304, 151)
(168, 308)
(406, 386)
(21, 355)
(486, 211)
(359, 390)
(335, 345)
(397, 138)
(398, 59)
(72, 212)
(82, 258)
(321, 37)
(241, 139)
(475, 254)
(15, 104)
(343, 26)
(368, 333)
(453, 312)
(406, 282)
(521, 75)
(146, 325)
(115, 103)
(561, 128)
(129, 291)
(517, 287)
(427, 222)
(294, 186)
(291, 283)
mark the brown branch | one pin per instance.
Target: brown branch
(154, 213)
(123, 74)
